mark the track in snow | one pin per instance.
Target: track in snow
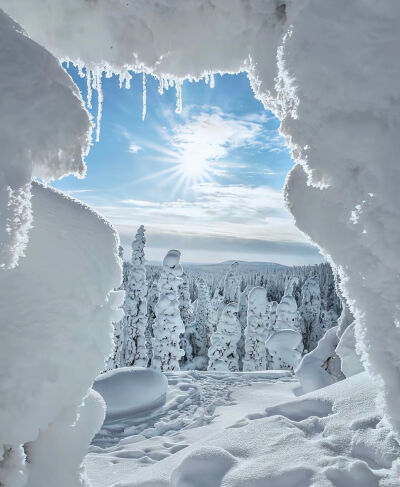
(191, 402)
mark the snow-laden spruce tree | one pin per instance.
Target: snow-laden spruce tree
(168, 326)
(309, 313)
(216, 307)
(232, 284)
(186, 310)
(272, 316)
(152, 299)
(256, 330)
(115, 359)
(135, 306)
(222, 354)
(242, 316)
(201, 325)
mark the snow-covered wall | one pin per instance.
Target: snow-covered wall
(44, 131)
(329, 70)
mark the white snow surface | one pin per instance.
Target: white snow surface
(130, 390)
(333, 437)
(48, 141)
(198, 405)
(56, 314)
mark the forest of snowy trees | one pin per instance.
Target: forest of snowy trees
(225, 317)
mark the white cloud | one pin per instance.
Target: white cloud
(237, 211)
(209, 136)
(133, 148)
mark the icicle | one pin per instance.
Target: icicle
(178, 85)
(212, 81)
(144, 97)
(89, 87)
(206, 78)
(80, 71)
(161, 86)
(99, 103)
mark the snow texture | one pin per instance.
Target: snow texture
(51, 326)
(322, 366)
(130, 390)
(283, 348)
(331, 437)
(48, 141)
(346, 350)
(256, 330)
(168, 326)
(134, 323)
(55, 458)
(223, 355)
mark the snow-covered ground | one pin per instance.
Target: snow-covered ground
(249, 429)
(197, 406)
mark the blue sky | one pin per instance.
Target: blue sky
(207, 181)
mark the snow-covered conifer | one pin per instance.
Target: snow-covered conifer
(232, 284)
(168, 326)
(115, 359)
(309, 313)
(186, 310)
(286, 314)
(272, 316)
(135, 306)
(242, 316)
(256, 329)
(223, 355)
(152, 299)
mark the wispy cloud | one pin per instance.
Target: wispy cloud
(215, 209)
(134, 148)
(206, 138)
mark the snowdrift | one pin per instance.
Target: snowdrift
(331, 437)
(56, 314)
(130, 390)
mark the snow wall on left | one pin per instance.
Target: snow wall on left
(58, 267)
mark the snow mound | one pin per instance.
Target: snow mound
(350, 361)
(332, 437)
(282, 348)
(321, 367)
(130, 390)
(289, 339)
(41, 143)
(56, 314)
(172, 258)
(287, 305)
(59, 449)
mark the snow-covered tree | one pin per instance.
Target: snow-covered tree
(202, 322)
(168, 326)
(216, 308)
(115, 359)
(223, 355)
(256, 329)
(272, 316)
(242, 316)
(286, 314)
(232, 284)
(283, 349)
(309, 313)
(152, 299)
(185, 305)
(186, 310)
(135, 306)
